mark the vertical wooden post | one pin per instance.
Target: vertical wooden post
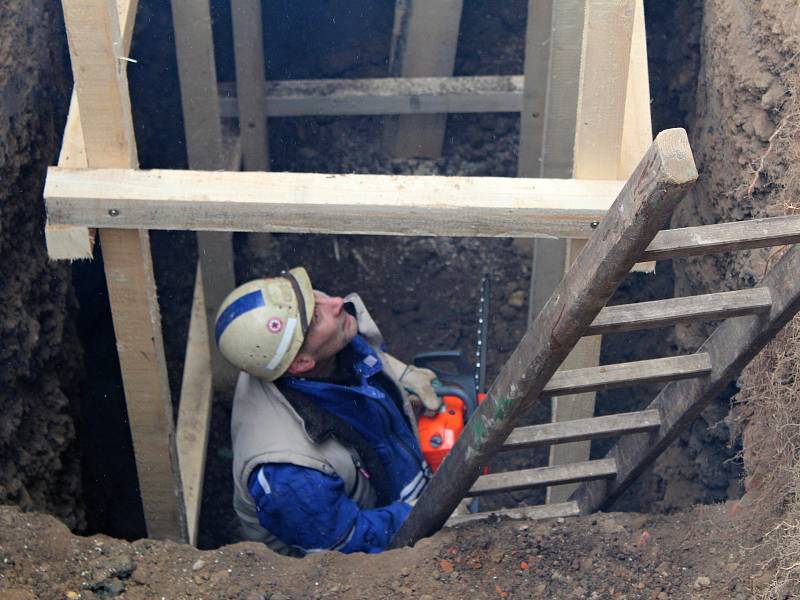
(574, 106)
(424, 43)
(251, 88)
(194, 45)
(604, 68)
(251, 91)
(101, 87)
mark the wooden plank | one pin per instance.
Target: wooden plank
(605, 59)
(731, 347)
(194, 46)
(248, 46)
(581, 429)
(637, 128)
(323, 203)
(724, 237)
(585, 355)
(69, 242)
(384, 96)
(604, 67)
(528, 513)
(666, 172)
(424, 42)
(655, 370)
(664, 313)
(552, 78)
(93, 31)
(194, 412)
(531, 478)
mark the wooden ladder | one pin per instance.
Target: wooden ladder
(628, 234)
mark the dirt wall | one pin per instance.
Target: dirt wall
(747, 65)
(39, 355)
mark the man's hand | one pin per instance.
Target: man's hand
(419, 385)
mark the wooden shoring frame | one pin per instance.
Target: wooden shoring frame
(98, 51)
(552, 208)
(598, 92)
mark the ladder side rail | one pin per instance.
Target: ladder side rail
(664, 175)
(731, 346)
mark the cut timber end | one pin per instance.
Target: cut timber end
(676, 164)
(69, 242)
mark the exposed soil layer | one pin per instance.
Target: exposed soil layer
(40, 356)
(697, 554)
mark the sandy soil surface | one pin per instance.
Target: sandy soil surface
(702, 553)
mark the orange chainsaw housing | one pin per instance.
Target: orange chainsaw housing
(438, 434)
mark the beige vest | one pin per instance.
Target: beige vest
(266, 429)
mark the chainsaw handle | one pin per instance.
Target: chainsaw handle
(451, 390)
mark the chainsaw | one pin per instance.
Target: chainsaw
(461, 388)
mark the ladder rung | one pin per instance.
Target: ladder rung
(741, 235)
(532, 513)
(528, 478)
(576, 381)
(661, 313)
(582, 429)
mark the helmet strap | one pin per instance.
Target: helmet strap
(300, 301)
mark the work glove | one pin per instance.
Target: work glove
(418, 383)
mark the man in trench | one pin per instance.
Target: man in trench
(326, 454)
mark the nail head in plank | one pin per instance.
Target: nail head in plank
(663, 313)
(604, 377)
(528, 513)
(529, 478)
(582, 429)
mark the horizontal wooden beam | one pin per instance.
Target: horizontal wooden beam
(319, 203)
(663, 313)
(587, 379)
(384, 96)
(722, 237)
(530, 478)
(529, 513)
(581, 429)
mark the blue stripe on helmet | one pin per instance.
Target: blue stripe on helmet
(236, 308)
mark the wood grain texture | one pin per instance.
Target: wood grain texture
(194, 410)
(248, 47)
(531, 478)
(71, 242)
(309, 202)
(724, 237)
(532, 513)
(424, 42)
(603, 377)
(581, 429)
(731, 347)
(664, 313)
(662, 178)
(384, 96)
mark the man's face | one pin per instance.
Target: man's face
(330, 329)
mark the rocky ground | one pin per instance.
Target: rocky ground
(704, 553)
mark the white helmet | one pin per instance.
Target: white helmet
(261, 324)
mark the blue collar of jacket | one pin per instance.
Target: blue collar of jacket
(364, 363)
